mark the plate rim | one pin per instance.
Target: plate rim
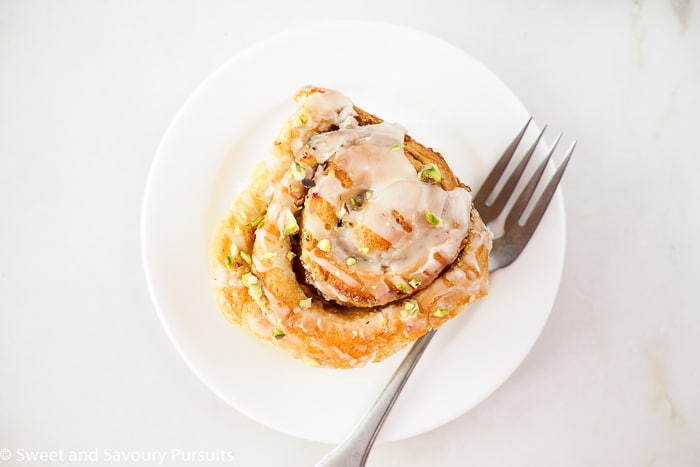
(194, 94)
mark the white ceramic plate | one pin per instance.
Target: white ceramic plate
(446, 100)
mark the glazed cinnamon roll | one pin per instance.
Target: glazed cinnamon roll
(351, 241)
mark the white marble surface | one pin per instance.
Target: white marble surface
(86, 92)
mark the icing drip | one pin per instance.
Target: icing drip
(380, 216)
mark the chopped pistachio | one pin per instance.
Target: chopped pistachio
(350, 261)
(411, 307)
(299, 120)
(290, 224)
(250, 278)
(324, 245)
(291, 255)
(278, 333)
(228, 261)
(246, 257)
(441, 312)
(234, 250)
(364, 250)
(298, 171)
(305, 303)
(256, 221)
(396, 147)
(342, 212)
(359, 200)
(430, 173)
(415, 283)
(402, 286)
(255, 291)
(254, 286)
(432, 218)
(269, 256)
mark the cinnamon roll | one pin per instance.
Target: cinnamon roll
(351, 240)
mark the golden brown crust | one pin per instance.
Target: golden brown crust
(324, 333)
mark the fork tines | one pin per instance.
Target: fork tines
(517, 227)
(490, 210)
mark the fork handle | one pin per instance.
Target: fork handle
(353, 452)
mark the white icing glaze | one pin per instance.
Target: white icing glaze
(372, 157)
(222, 276)
(319, 111)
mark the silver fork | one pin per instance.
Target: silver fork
(517, 231)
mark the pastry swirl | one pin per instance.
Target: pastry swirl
(351, 241)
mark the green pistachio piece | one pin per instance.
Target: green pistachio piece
(299, 120)
(430, 173)
(290, 224)
(256, 221)
(441, 312)
(298, 171)
(246, 257)
(254, 286)
(234, 250)
(411, 308)
(432, 218)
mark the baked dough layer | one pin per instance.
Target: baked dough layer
(261, 283)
